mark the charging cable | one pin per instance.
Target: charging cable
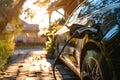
(77, 32)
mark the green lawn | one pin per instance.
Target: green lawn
(29, 46)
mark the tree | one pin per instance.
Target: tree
(42, 3)
(9, 12)
(50, 45)
(9, 26)
(29, 13)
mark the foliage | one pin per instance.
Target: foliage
(42, 3)
(9, 10)
(29, 46)
(51, 36)
(10, 25)
(6, 48)
(50, 44)
(29, 13)
(6, 5)
(49, 47)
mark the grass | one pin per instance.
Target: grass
(29, 46)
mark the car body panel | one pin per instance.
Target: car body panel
(103, 15)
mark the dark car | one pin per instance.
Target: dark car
(93, 53)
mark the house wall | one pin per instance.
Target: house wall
(30, 38)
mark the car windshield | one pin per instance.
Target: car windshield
(86, 8)
(82, 13)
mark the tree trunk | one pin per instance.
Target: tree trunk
(11, 14)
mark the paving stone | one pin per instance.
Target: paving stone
(29, 65)
(32, 78)
(31, 68)
(23, 69)
(21, 77)
(45, 77)
(9, 78)
(23, 74)
(10, 74)
(12, 69)
(1, 76)
(14, 64)
(32, 75)
(45, 74)
(37, 69)
(68, 77)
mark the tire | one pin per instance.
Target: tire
(94, 67)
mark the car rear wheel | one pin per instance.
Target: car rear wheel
(94, 67)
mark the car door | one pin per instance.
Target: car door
(71, 53)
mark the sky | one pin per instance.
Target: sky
(41, 16)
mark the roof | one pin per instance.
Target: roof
(59, 4)
(67, 5)
(30, 27)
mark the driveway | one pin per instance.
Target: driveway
(32, 64)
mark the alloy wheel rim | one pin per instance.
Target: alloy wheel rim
(91, 70)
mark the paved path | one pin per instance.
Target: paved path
(32, 64)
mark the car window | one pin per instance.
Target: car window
(91, 5)
(86, 9)
(109, 19)
(112, 32)
(106, 16)
(73, 17)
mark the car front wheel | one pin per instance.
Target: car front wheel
(94, 67)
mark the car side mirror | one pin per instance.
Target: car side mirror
(81, 30)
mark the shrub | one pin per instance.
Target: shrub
(6, 49)
(50, 45)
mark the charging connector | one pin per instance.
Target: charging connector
(77, 32)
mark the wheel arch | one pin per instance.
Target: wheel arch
(92, 45)
(88, 46)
